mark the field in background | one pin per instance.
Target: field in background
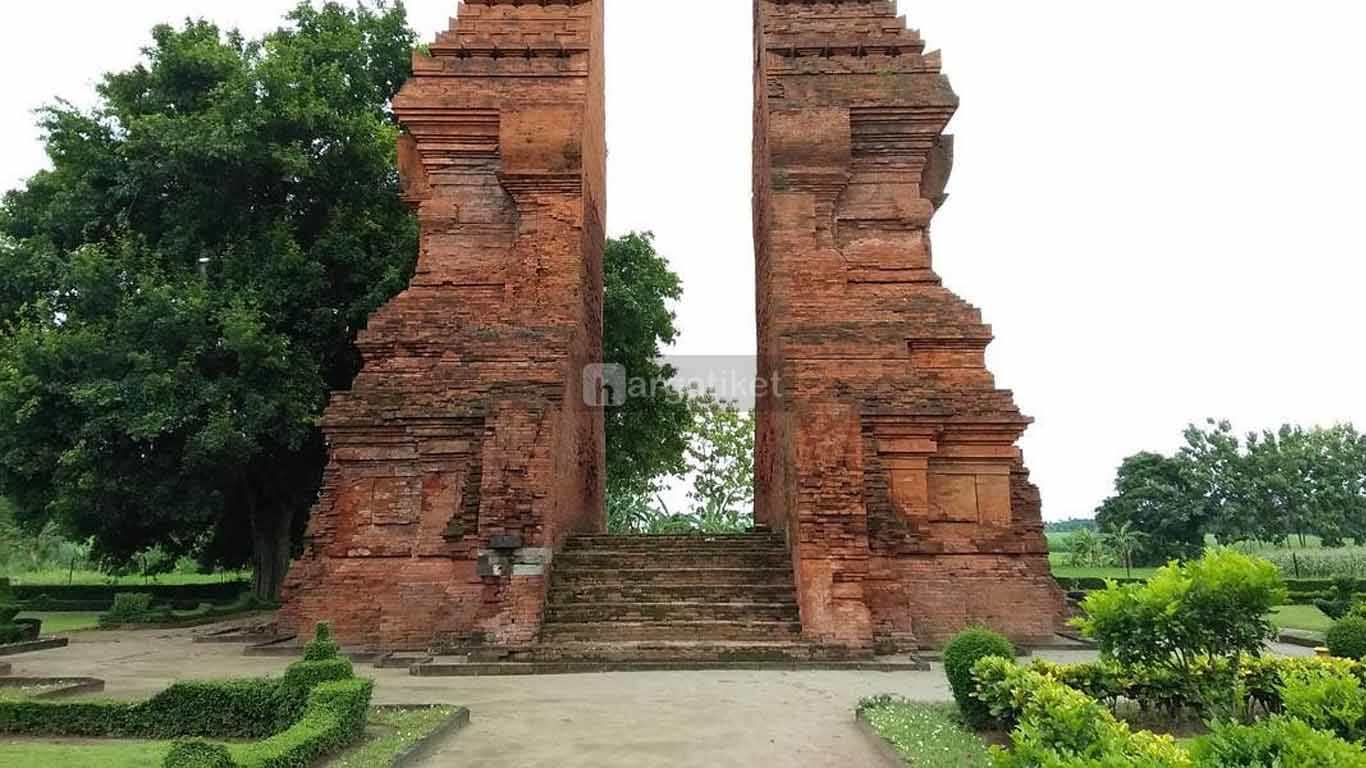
(1310, 560)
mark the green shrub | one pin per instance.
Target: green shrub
(322, 646)
(1060, 727)
(1347, 638)
(198, 754)
(133, 608)
(1217, 606)
(962, 653)
(1280, 742)
(1339, 601)
(1328, 702)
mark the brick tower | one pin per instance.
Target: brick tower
(886, 453)
(465, 453)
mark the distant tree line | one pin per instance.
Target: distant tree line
(1291, 483)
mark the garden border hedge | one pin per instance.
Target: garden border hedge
(100, 597)
(316, 707)
(1302, 591)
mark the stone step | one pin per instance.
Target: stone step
(454, 667)
(590, 612)
(672, 592)
(639, 651)
(604, 559)
(553, 632)
(579, 577)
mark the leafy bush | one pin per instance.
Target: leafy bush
(1326, 701)
(1346, 639)
(133, 608)
(962, 653)
(1279, 741)
(1207, 692)
(1217, 606)
(1060, 727)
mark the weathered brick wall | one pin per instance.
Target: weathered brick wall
(888, 453)
(465, 452)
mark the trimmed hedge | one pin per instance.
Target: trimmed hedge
(315, 708)
(237, 709)
(132, 609)
(100, 597)
(333, 717)
(198, 754)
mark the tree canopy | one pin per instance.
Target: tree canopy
(1267, 486)
(647, 433)
(182, 288)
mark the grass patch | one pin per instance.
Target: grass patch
(925, 735)
(1069, 572)
(83, 754)
(1305, 617)
(63, 623)
(392, 731)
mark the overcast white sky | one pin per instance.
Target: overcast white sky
(1158, 204)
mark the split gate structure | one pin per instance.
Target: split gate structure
(468, 452)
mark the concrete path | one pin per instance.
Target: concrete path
(637, 720)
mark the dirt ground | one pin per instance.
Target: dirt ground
(635, 720)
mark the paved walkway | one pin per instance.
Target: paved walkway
(637, 720)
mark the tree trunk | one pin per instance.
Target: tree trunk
(270, 546)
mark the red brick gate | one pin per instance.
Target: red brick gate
(465, 454)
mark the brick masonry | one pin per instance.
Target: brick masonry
(886, 451)
(465, 454)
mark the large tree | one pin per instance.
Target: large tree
(647, 432)
(182, 288)
(1155, 494)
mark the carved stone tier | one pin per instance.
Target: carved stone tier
(886, 451)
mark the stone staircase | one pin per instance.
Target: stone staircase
(638, 603)
(720, 589)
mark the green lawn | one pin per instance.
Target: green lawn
(83, 754)
(1301, 617)
(63, 623)
(391, 730)
(927, 735)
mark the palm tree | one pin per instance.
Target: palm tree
(1125, 542)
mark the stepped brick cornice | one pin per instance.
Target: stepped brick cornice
(887, 452)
